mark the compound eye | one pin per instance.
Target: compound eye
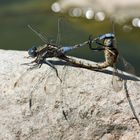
(32, 51)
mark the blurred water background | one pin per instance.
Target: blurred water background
(79, 19)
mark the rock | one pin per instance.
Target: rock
(84, 106)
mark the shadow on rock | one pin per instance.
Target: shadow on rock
(123, 76)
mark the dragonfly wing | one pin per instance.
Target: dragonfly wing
(58, 40)
(41, 36)
(127, 66)
(117, 81)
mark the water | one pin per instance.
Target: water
(15, 35)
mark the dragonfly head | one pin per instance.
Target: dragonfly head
(108, 42)
(32, 52)
(108, 39)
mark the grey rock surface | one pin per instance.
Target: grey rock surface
(84, 106)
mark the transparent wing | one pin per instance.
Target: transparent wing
(117, 81)
(58, 40)
(128, 67)
(43, 36)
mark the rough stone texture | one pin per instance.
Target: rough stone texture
(83, 107)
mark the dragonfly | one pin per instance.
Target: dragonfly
(106, 43)
(49, 50)
(111, 57)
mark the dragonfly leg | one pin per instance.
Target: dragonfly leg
(33, 67)
(52, 66)
(30, 63)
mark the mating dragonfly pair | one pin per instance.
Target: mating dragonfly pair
(106, 44)
(49, 50)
